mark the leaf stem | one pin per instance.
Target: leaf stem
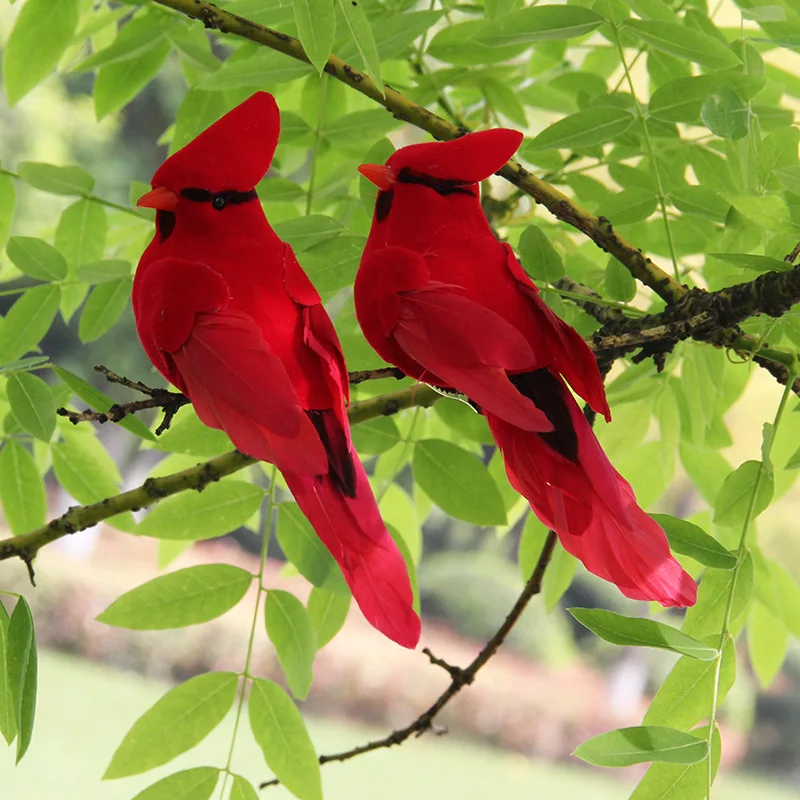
(266, 528)
(662, 200)
(741, 552)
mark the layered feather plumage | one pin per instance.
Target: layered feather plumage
(438, 296)
(226, 314)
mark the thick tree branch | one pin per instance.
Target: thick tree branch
(459, 678)
(152, 490)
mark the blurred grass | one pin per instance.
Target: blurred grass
(85, 709)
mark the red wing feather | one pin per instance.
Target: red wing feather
(471, 348)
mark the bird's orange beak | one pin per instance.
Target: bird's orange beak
(383, 177)
(161, 198)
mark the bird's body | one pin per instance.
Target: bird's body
(226, 313)
(438, 296)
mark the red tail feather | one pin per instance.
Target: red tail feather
(353, 532)
(593, 510)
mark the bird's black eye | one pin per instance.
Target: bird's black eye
(219, 202)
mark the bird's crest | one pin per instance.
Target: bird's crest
(234, 153)
(472, 158)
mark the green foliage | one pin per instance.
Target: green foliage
(676, 131)
(186, 597)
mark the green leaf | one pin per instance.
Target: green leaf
(767, 641)
(332, 265)
(32, 404)
(725, 114)
(463, 419)
(327, 612)
(178, 721)
(279, 190)
(304, 232)
(640, 632)
(753, 261)
(350, 131)
(104, 271)
(242, 789)
(42, 32)
(118, 83)
(27, 321)
(290, 629)
(316, 29)
(185, 597)
(629, 205)
(686, 695)
(264, 68)
(681, 99)
(690, 540)
(8, 201)
(23, 664)
(376, 435)
(361, 33)
(537, 23)
(281, 733)
(457, 482)
(197, 783)
(56, 180)
(558, 576)
(219, 509)
(22, 490)
(36, 258)
(684, 42)
(100, 401)
(584, 129)
(8, 717)
(302, 546)
(394, 40)
(708, 614)
(21, 648)
(734, 499)
(767, 210)
(680, 782)
(81, 465)
(81, 238)
(103, 308)
(189, 435)
(539, 258)
(619, 282)
(626, 746)
(136, 37)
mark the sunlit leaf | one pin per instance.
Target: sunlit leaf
(281, 733)
(290, 629)
(178, 721)
(640, 632)
(627, 746)
(186, 597)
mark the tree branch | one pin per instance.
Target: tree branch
(459, 678)
(153, 490)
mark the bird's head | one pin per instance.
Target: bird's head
(219, 169)
(448, 168)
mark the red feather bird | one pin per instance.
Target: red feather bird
(226, 314)
(438, 296)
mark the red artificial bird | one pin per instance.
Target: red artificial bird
(438, 296)
(226, 314)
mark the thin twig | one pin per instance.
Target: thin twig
(459, 677)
